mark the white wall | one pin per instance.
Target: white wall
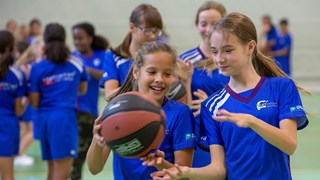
(111, 20)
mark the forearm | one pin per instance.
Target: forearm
(208, 172)
(95, 157)
(284, 139)
(97, 74)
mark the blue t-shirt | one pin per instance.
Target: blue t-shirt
(248, 155)
(115, 67)
(57, 83)
(284, 41)
(12, 86)
(208, 83)
(89, 101)
(179, 135)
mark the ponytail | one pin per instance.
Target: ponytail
(130, 84)
(6, 60)
(100, 43)
(123, 48)
(207, 65)
(267, 67)
(56, 51)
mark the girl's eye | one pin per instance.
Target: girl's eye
(229, 50)
(151, 72)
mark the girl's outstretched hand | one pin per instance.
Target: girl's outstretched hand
(153, 159)
(175, 172)
(240, 119)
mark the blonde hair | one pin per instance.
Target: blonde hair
(130, 84)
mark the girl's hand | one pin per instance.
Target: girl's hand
(175, 172)
(96, 128)
(153, 159)
(196, 104)
(184, 70)
(240, 119)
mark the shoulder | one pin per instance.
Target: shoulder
(189, 53)
(176, 106)
(17, 73)
(77, 62)
(280, 81)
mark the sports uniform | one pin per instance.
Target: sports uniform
(248, 155)
(57, 85)
(12, 86)
(284, 41)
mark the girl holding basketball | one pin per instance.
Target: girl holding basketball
(91, 49)
(251, 124)
(13, 87)
(151, 73)
(145, 26)
(206, 78)
(54, 84)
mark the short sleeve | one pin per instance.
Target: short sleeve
(290, 104)
(110, 70)
(209, 128)
(183, 134)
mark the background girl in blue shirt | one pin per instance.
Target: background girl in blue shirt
(91, 49)
(12, 89)
(151, 74)
(206, 78)
(250, 125)
(54, 85)
(145, 26)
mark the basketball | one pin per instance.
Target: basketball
(133, 125)
(177, 91)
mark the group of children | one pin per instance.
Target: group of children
(240, 119)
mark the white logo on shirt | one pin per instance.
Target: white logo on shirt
(265, 104)
(105, 74)
(96, 62)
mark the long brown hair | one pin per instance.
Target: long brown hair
(243, 28)
(6, 48)
(208, 64)
(143, 13)
(130, 84)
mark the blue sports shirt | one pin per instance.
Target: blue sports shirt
(89, 101)
(115, 67)
(248, 155)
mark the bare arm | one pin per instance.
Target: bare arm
(18, 107)
(34, 99)
(110, 86)
(83, 87)
(284, 138)
(97, 74)
(215, 170)
(98, 153)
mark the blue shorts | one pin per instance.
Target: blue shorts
(9, 136)
(27, 115)
(58, 134)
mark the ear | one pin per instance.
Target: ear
(131, 27)
(135, 72)
(251, 46)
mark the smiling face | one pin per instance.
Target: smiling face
(206, 20)
(232, 57)
(155, 75)
(82, 40)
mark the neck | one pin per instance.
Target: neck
(205, 49)
(244, 81)
(133, 47)
(87, 53)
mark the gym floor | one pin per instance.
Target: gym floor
(305, 163)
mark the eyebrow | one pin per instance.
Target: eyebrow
(223, 47)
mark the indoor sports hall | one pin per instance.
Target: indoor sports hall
(110, 18)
